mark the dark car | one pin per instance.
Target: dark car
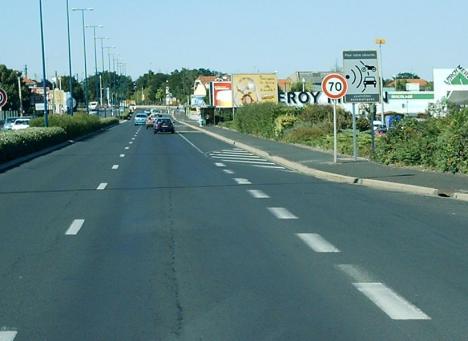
(163, 125)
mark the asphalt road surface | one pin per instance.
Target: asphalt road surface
(134, 236)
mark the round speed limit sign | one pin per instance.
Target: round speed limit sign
(334, 86)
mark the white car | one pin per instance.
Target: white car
(20, 123)
(93, 106)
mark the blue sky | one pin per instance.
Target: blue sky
(240, 36)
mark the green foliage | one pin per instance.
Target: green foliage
(78, 93)
(77, 125)
(363, 124)
(259, 119)
(14, 144)
(9, 83)
(317, 114)
(306, 135)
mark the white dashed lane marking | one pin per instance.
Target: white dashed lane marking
(220, 164)
(7, 335)
(257, 194)
(242, 181)
(75, 227)
(317, 243)
(115, 167)
(228, 171)
(127, 148)
(102, 186)
(122, 155)
(281, 213)
(392, 304)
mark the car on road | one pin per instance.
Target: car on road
(163, 125)
(20, 123)
(9, 123)
(150, 120)
(140, 119)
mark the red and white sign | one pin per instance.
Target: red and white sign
(334, 86)
(222, 94)
(3, 98)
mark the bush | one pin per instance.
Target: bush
(363, 124)
(318, 114)
(305, 135)
(14, 144)
(283, 122)
(77, 125)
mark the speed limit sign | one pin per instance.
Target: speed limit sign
(334, 86)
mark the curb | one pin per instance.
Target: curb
(16, 162)
(332, 177)
(460, 196)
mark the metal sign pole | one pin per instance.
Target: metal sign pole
(334, 132)
(354, 133)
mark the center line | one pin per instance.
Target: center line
(392, 304)
(242, 181)
(75, 227)
(220, 164)
(122, 155)
(228, 171)
(7, 335)
(131, 142)
(317, 243)
(102, 186)
(281, 213)
(257, 194)
(115, 167)
(127, 148)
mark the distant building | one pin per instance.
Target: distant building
(310, 78)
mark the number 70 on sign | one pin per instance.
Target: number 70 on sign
(334, 86)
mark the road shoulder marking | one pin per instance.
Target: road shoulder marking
(257, 194)
(8, 335)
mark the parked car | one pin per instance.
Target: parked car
(9, 123)
(163, 125)
(20, 123)
(140, 119)
(93, 106)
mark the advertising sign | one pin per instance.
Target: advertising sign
(254, 88)
(197, 101)
(362, 72)
(221, 94)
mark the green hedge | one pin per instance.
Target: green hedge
(76, 125)
(14, 144)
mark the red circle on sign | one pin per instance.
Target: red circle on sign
(338, 93)
(3, 98)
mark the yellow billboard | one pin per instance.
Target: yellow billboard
(254, 88)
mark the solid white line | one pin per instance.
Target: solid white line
(122, 155)
(390, 302)
(75, 227)
(281, 213)
(257, 194)
(317, 243)
(190, 143)
(7, 335)
(127, 148)
(249, 162)
(115, 167)
(233, 151)
(242, 181)
(228, 171)
(220, 164)
(102, 186)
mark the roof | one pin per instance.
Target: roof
(420, 82)
(205, 80)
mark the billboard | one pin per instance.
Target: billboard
(221, 93)
(197, 101)
(254, 88)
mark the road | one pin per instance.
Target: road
(133, 236)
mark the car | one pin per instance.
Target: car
(163, 125)
(20, 123)
(9, 123)
(140, 119)
(93, 106)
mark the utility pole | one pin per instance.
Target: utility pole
(20, 96)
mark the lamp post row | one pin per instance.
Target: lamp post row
(70, 83)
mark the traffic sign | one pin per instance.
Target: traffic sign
(362, 72)
(3, 98)
(334, 86)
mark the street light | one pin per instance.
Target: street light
(109, 48)
(95, 55)
(44, 86)
(83, 10)
(380, 42)
(70, 83)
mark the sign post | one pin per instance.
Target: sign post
(3, 99)
(335, 87)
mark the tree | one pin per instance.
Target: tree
(407, 75)
(9, 83)
(77, 93)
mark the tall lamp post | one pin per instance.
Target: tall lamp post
(44, 85)
(70, 83)
(95, 56)
(83, 10)
(109, 48)
(380, 42)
